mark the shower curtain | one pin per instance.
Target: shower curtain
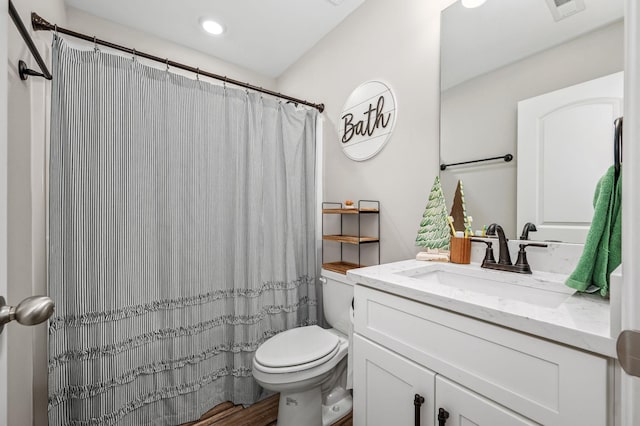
(181, 236)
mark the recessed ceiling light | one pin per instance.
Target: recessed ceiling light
(472, 3)
(211, 26)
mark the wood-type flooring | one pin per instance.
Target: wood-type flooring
(262, 413)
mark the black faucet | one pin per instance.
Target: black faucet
(504, 262)
(528, 227)
(503, 258)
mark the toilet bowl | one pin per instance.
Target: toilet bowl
(307, 365)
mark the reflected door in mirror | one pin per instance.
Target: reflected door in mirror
(565, 144)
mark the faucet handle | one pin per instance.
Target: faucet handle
(478, 240)
(528, 227)
(522, 264)
(523, 246)
(488, 254)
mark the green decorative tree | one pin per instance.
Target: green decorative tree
(459, 210)
(434, 229)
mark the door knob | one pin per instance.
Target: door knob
(628, 349)
(31, 311)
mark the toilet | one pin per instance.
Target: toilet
(308, 365)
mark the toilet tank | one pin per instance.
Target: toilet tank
(337, 294)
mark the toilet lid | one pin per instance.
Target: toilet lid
(297, 346)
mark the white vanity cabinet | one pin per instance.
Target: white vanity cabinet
(388, 385)
(466, 408)
(478, 372)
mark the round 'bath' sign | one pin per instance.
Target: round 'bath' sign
(367, 120)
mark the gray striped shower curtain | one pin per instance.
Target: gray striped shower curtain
(181, 236)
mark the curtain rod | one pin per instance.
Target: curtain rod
(23, 70)
(41, 24)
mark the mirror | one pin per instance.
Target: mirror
(499, 54)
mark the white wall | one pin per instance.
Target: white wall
(4, 33)
(26, 246)
(397, 42)
(479, 118)
(89, 24)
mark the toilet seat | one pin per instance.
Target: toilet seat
(296, 350)
(296, 368)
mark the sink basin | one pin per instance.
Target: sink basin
(545, 290)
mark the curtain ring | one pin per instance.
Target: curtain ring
(95, 45)
(135, 55)
(167, 63)
(55, 29)
(198, 74)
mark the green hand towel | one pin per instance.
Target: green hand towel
(615, 242)
(602, 251)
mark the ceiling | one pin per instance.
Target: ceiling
(265, 36)
(500, 32)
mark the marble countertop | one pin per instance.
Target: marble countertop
(575, 319)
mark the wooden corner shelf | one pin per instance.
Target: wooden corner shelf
(340, 267)
(363, 211)
(349, 239)
(350, 211)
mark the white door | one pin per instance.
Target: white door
(385, 386)
(463, 407)
(565, 144)
(629, 390)
(3, 202)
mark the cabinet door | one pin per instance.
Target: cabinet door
(467, 408)
(385, 385)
